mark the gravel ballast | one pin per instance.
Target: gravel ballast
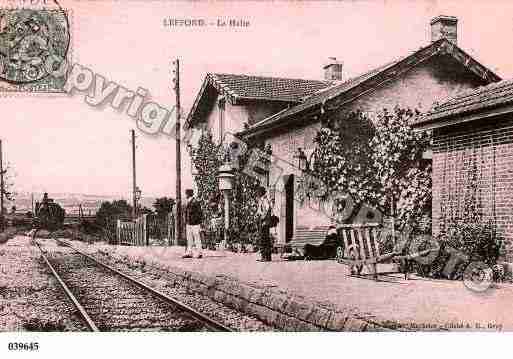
(227, 316)
(30, 297)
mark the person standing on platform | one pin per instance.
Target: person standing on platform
(194, 218)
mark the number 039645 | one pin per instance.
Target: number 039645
(14, 346)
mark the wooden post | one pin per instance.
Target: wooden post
(178, 234)
(134, 184)
(118, 231)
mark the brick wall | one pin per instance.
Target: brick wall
(486, 146)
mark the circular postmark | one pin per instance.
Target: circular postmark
(30, 39)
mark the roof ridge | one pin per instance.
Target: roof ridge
(358, 77)
(403, 63)
(460, 97)
(269, 77)
(465, 102)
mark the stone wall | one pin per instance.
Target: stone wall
(275, 307)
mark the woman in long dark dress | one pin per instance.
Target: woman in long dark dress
(264, 217)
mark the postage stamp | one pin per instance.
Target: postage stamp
(33, 43)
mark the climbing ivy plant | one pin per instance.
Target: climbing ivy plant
(377, 159)
(207, 156)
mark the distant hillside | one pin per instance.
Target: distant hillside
(71, 201)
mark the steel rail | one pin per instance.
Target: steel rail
(70, 294)
(198, 315)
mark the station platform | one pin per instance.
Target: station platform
(322, 293)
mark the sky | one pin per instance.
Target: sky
(62, 144)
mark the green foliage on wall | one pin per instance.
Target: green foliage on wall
(207, 157)
(377, 160)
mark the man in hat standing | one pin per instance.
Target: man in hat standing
(193, 217)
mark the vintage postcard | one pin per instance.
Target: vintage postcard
(255, 166)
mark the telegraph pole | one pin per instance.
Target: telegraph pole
(1, 186)
(134, 184)
(176, 80)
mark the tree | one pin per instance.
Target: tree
(109, 212)
(163, 206)
(8, 190)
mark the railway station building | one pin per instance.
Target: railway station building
(285, 113)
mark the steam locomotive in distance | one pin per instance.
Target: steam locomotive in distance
(48, 214)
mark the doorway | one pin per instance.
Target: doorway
(289, 208)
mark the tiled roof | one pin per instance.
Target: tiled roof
(324, 94)
(267, 88)
(252, 88)
(384, 72)
(496, 94)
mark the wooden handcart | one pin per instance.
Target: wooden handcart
(364, 245)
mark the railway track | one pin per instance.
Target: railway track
(109, 300)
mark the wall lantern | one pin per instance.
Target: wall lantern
(302, 159)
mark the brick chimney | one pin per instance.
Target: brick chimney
(333, 69)
(444, 27)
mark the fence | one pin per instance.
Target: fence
(132, 233)
(161, 230)
(149, 229)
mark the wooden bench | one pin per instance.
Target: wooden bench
(302, 237)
